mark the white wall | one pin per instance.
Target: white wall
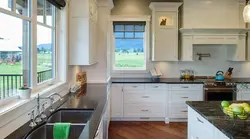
(208, 66)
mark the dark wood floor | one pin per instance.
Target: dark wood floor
(147, 130)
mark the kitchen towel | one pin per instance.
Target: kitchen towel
(61, 130)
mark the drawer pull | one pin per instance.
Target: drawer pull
(144, 118)
(199, 120)
(184, 97)
(156, 86)
(184, 87)
(135, 86)
(145, 96)
(197, 138)
(184, 111)
(144, 110)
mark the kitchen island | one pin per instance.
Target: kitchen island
(206, 120)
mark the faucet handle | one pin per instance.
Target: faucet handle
(32, 116)
(43, 115)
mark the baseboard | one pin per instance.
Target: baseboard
(178, 120)
(138, 119)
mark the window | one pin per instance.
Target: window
(16, 41)
(14, 54)
(45, 42)
(129, 45)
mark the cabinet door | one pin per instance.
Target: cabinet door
(165, 37)
(116, 100)
(93, 43)
(99, 132)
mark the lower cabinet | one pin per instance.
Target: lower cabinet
(153, 102)
(99, 132)
(200, 128)
(178, 95)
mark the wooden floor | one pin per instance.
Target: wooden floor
(147, 130)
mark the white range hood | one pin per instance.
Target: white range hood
(234, 38)
(215, 35)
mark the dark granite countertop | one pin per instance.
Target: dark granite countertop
(211, 111)
(95, 98)
(173, 80)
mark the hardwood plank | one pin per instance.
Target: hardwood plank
(147, 130)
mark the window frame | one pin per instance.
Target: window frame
(146, 38)
(33, 45)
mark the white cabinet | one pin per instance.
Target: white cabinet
(116, 101)
(144, 100)
(165, 31)
(178, 95)
(99, 132)
(106, 118)
(82, 32)
(200, 128)
(197, 126)
(135, 101)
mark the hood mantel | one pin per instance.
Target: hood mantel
(235, 37)
(214, 31)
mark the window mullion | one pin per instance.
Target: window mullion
(14, 6)
(34, 45)
(44, 11)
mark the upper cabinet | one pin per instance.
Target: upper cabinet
(83, 17)
(165, 30)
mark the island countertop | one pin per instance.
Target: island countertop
(212, 111)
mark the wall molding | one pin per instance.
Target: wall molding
(130, 18)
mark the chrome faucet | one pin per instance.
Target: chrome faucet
(38, 118)
(41, 114)
(51, 97)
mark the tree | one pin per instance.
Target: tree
(43, 50)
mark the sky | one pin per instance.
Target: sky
(11, 28)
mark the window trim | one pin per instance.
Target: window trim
(147, 19)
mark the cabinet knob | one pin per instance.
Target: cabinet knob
(184, 97)
(184, 87)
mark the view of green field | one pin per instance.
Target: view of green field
(43, 63)
(129, 59)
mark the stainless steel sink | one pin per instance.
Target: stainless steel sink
(70, 116)
(46, 131)
(77, 118)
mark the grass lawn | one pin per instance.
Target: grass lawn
(129, 60)
(44, 63)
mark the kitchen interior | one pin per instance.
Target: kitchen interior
(195, 85)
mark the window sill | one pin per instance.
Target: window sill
(129, 71)
(14, 102)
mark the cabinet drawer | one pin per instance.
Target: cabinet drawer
(178, 111)
(143, 111)
(144, 98)
(133, 86)
(183, 96)
(186, 87)
(156, 86)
